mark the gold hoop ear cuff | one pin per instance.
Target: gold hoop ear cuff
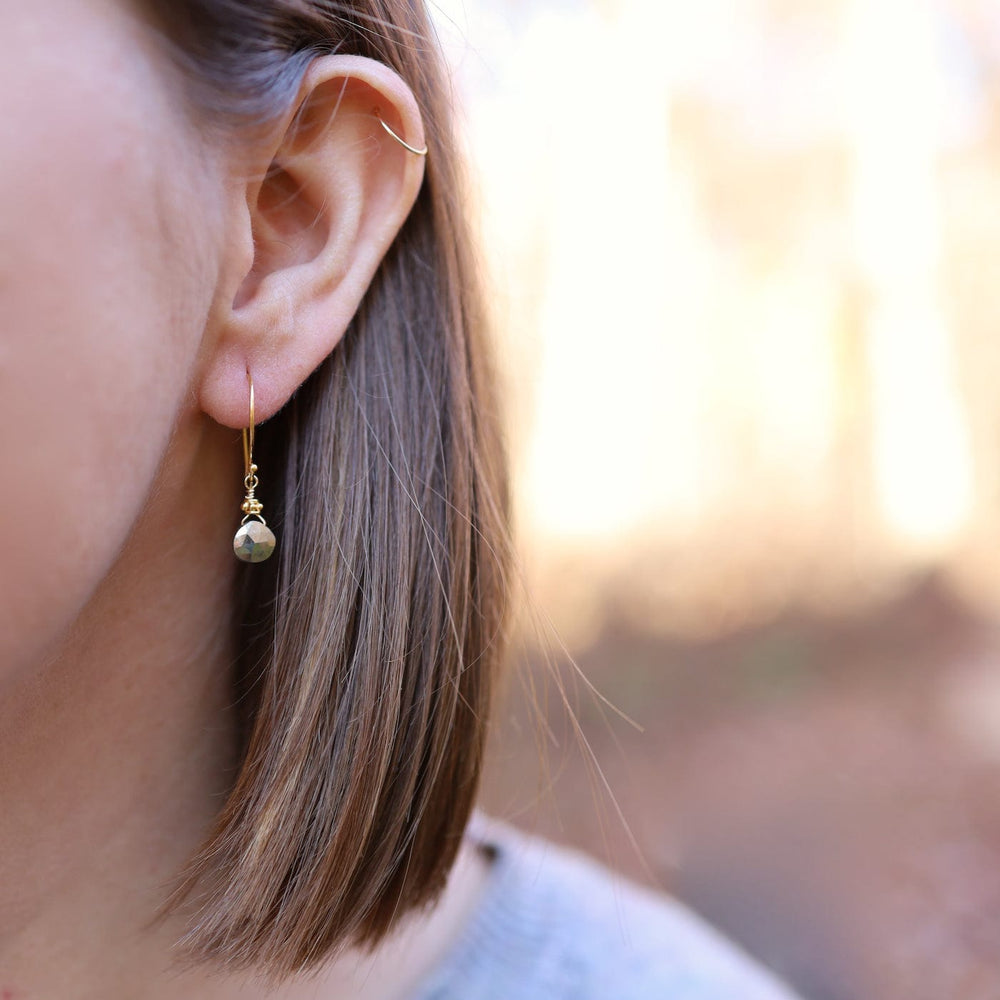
(254, 541)
(399, 139)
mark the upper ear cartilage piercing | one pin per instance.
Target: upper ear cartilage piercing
(254, 540)
(398, 138)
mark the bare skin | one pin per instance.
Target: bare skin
(140, 273)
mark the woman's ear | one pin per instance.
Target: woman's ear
(308, 232)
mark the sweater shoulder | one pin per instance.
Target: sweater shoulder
(556, 924)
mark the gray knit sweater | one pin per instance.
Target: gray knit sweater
(555, 925)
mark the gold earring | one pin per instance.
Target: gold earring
(399, 139)
(254, 541)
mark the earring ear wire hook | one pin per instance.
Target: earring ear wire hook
(248, 438)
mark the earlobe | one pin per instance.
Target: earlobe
(336, 185)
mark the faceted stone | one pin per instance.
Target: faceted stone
(254, 542)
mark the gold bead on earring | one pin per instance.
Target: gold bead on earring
(254, 541)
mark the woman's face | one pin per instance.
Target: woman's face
(110, 222)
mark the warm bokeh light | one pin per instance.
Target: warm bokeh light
(723, 239)
(746, 268)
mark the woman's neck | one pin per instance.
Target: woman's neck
(116, 752)
(116, 748)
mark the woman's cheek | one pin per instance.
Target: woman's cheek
(94, 352)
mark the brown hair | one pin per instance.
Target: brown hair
(368, 646)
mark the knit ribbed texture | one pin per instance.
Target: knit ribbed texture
(555, 925)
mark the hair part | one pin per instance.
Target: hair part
(368, 646)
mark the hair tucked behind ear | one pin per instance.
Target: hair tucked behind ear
(369, 646)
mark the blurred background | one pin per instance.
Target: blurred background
(745, 263)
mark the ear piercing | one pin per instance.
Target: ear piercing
(399, 139)
(254, 541)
